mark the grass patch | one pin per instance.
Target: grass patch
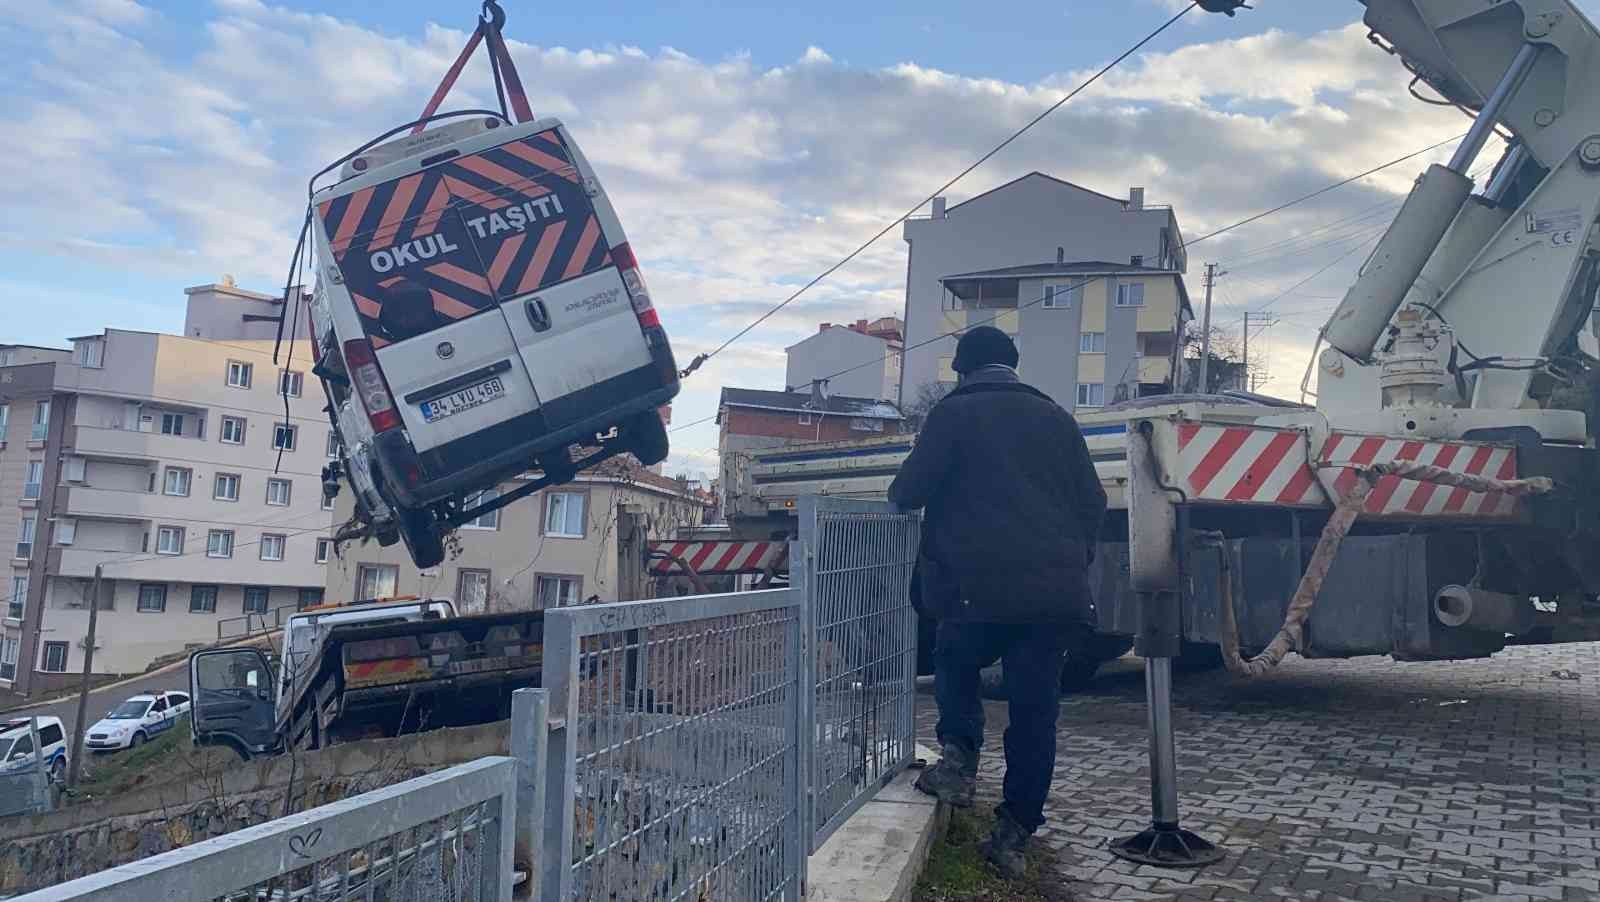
(109, 773)
(957, 872)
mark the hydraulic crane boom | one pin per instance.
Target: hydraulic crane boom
(1491, 289)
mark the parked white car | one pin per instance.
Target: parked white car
(137, 720)
(16, 745)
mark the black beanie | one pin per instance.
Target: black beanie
(983, 346)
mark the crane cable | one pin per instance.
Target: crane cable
(700, 359)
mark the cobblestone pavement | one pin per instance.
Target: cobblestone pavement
(1362, 779)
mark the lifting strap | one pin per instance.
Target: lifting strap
(489, 27)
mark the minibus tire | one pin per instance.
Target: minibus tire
(422, 537)
(646, 438)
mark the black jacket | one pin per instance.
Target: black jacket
(1014, 506)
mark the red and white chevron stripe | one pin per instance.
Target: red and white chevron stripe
(1408, 497)
(1246, 465)
(717, 557)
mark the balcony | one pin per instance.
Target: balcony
(244, 568)
(117, 504)
(24, 551)
(99, 441)
(1154, 369)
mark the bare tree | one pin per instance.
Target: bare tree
(923, 400)
(1226, 370)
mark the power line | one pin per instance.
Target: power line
(1319, 272)
(1321, 191)
(696, 363)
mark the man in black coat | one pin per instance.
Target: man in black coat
(1013, 512)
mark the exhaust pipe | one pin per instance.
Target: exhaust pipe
(1480, 609)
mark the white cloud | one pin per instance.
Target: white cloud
(737, 182)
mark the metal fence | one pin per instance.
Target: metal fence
(25, 791)
(444, 836)
(673, 762)
(254, 622)
(853, 564)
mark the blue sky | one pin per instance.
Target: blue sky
(159, 145)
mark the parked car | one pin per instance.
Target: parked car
(16, 745)
(478, 313)
(140, 718)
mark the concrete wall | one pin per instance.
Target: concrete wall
(218, 312)
(210, 793)
(839, 348)
(1019, 224)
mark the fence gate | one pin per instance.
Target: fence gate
(674, 754)
(854, 563)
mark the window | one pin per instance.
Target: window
(376, 581)
(272, 547)
(558, 591)
(41, 421)
(1092, 343)
(1060, 297)
(472, 591)
(33, 484)
(91, 352)
(172, 424)
(290, 383)
(169, 540)
(232, 431)
(66, 531)
(309, 598)
(333, 443)
(225, 487)
(1136, 260)
(239, 374)
(866, 424)
(278, 492)
(805, 418)
(327, 500)
(491, 520)
(324, 549)
(203, 599)
(563, 514)
(152, 598)
(50, 734)
(25, 538)
(177, 481)
(219, 543)
(18, 604)
(8, 658)
(256, 599)
(1091, 394)
(77, 469)
(5, 417)
(1130, 294)
(283, 436)
(55, 661)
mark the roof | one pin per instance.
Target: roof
(1120, 200)
(842, 405)
(627, 471)
(35, 347)
(1075, 268)
(21, 723)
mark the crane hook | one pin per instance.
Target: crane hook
(495, 17)
(1223, 6)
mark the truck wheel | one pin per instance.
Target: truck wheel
(422, 537)
(645, 436)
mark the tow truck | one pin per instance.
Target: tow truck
(1438, 399)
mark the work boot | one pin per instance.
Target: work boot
(1004, 847)
(954, 779)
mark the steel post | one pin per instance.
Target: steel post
(1163, 749)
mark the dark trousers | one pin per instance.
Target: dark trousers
(1031, 656)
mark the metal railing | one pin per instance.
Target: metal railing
(254, 622)
(673, 761)
(444, 836)
(853, 563)
(25, 791)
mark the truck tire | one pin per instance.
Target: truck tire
(422, 537)
(645, 437)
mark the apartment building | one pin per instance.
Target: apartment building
(1101, 333)
(1066, 233)
(557, 547)
(860, 359)
(169, 462)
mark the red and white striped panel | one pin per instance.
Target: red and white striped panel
(1408, 497)
(1246, 465)
(717, 557)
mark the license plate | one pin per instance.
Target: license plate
(465, 399)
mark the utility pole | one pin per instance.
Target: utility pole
(1205, 332)
(1247, 350)
(75, 764)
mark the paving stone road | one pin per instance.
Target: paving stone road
(1365, 779)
